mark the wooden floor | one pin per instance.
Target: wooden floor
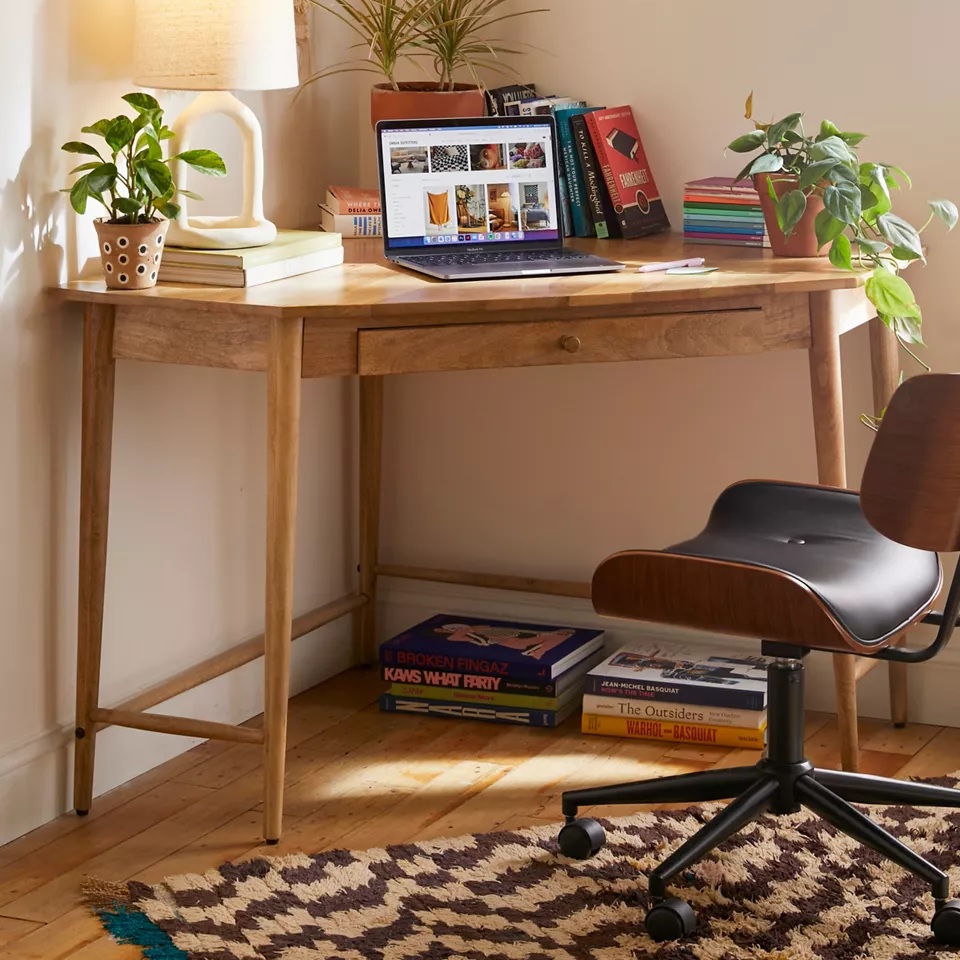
(355, 779)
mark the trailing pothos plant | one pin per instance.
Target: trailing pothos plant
(857, 220)
(131, 178)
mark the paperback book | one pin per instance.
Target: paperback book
(351, 225)
(599, 205)
(497, 648)
(629, 182)
(680, 674)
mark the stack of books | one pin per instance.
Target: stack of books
(723, 210)
(678, 694)
(352, 212)
(453, 665)
(292, 253)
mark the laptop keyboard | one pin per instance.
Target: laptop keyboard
(493, 256)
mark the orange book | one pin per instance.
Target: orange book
(352, 200)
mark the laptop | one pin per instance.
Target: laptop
(475, 198)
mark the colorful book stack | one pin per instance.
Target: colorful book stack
(723, 210)
(292, 253)
(352, 212)
(679, 694)
(476, 668)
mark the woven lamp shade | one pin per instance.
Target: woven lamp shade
(215, 44)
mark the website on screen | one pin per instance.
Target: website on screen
(483, 184)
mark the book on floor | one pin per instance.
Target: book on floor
(638, 709)
(458, 643)
(673, 673)
(675, 731)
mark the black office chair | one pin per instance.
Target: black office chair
(804, 568)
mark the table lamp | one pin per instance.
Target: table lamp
(218, 46)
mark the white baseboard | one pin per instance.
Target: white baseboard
(933, 685)
(36, 776)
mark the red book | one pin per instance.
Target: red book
(626, 173)
(352, 200)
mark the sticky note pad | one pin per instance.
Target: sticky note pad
(687, 271)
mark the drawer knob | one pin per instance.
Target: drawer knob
(570, 344)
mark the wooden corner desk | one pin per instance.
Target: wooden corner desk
(370, 319)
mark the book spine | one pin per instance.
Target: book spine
(676, 713)
(600, 148)
(360, 225)
(359, 208)
(580, 217)
(698, 694)
(420, 659)
(674, 732)
(566, 220)
(591, 175)
(412, 691)
(468, 711)
(447, 680)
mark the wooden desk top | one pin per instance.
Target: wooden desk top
(368, 288)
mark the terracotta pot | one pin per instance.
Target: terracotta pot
(802, 241)
(423, 101)
(130, 253)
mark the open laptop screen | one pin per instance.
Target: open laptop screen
(447, 183)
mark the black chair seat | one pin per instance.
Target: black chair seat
(872, 585)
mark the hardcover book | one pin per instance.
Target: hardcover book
(677, 712)
(476, 711)
(440, 681)
(626, 172)
(680, 674)
(674, 732)
(461, 644)
(499, 96)
(351, 225)
(288, 245)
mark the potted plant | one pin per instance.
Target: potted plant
(132, 181)
(451, 34)
(816, 193)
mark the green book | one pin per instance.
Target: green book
(288, 245)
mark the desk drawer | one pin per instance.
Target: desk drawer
(479, 346)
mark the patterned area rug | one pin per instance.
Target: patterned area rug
(789, 888)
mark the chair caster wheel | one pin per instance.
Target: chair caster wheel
(671, 919)
(946, 924)
(581, 839)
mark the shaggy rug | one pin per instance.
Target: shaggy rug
(788, 887)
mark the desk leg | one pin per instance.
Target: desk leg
(371, 444)
(95, 447)
(827, 396)
(284, 368)
(885, 370)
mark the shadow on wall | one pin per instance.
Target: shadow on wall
(31, 260)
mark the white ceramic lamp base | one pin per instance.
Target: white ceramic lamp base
(251, 228)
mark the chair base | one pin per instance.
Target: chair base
(780, 783)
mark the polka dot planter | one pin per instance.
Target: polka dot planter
(130, 253)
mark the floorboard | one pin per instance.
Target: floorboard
(355, 780)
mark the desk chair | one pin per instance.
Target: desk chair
(804, 568)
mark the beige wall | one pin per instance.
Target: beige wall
(546, 471)
(185, 569)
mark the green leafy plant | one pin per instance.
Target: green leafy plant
(452, 34)
(135, 184)
(857, 220)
